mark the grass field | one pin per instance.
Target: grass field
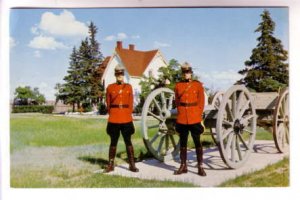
(58, 151)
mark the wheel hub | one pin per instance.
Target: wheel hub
(237, 126)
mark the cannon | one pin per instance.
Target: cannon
(231, 117)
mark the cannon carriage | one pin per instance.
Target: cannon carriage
(231, 117)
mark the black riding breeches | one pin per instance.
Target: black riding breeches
(114, 130)
(195, 129)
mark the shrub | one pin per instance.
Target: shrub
(33, 108)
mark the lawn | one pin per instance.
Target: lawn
(43, 149)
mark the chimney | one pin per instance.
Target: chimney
(131, 47)
(119, 45)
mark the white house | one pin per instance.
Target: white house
(136, 63)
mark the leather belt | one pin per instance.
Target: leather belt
(188, 104)
(119, 106)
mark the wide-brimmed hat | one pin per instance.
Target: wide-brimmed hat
(119, 69)
(186, 67)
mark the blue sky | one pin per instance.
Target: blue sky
(216, 41)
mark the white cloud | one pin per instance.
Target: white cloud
(160, 44)
(12, 42)
(44, 42)
(37, 54)
(135, 37)
(64, 24)
(47, 90)
(119, 36)
(110, 38)
(35, 30)
(220, 79)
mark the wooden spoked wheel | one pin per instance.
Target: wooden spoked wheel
(158, 126)
(236, 126)
(281, 122)
(216, 102)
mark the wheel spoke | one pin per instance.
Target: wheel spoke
(163, 100)
(287, 134)
(167, 142)
(227, 122)
(228, 142)
(239, 101)
(233, 147)
(233, 102)
(244, 108)
(157, 105)
(171, 102)
(227, 133)
(245, 120)
(154, 137)
(248, 131)
(229, 111)
(155, 116)
(161, 142)
(153, 126)
(242, 140)
(238, 148)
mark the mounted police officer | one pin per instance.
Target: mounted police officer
(190, 99)
(119, 100)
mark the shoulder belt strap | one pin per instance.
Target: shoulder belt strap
(184, 91)
(120, 92)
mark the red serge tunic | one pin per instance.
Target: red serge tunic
(119, 101)
(189, 98)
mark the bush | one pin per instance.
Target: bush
(87, 107)
(33, 108)
(102, 108)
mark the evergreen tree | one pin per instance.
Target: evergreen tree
(97, 89)
(266, 70)
(82, 83)
(71, 91)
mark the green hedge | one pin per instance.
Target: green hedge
(26, 109)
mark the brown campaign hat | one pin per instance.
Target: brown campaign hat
(186, 67)
(119, 69)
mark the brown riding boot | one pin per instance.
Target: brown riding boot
(130, 154)
(111, 158)
(199, 153)
(183, 167)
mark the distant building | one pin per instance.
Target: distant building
(136, 63)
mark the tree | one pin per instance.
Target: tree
(168, 76)
(266, 70)
(27, 96)
(71, 91)
(82, 83)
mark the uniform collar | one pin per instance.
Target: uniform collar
(119, 83)
(187, 80)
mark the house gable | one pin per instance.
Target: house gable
(135, 61)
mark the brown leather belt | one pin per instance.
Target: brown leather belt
(188, 104)
(119, 106)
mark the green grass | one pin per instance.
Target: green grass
(276, 175)
(40, 130)
(63, 178)
(48, 130)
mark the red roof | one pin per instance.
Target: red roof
(135, 61)
(103, 65)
